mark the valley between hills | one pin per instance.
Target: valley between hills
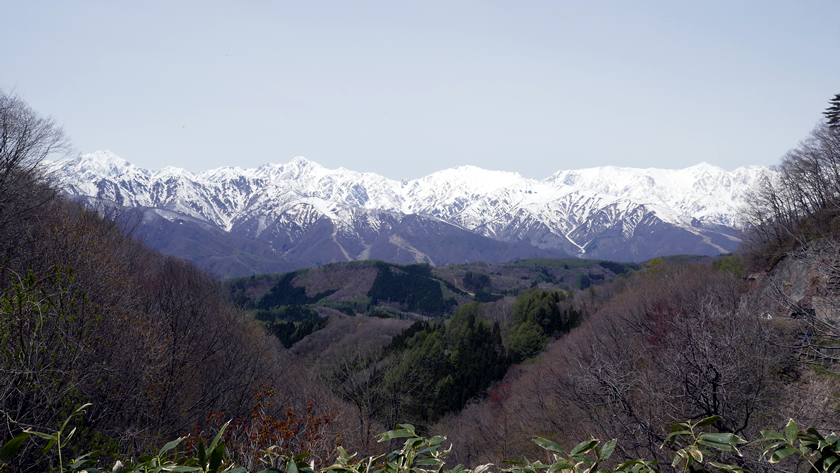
(276, 319)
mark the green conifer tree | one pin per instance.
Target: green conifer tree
(832, 113)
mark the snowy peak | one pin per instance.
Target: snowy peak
(471, 179)
(591, 212)
(170, 172)
(300, 167)
(680, 189)
(101, 163)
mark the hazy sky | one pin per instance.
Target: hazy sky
(405, 90)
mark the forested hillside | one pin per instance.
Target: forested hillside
(456, 344)
(417, 290)
(750, 338)
(295, 304)
(91, 316)
(489, 355)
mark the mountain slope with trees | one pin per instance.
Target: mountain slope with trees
(560, 349)
(90, 316)
(750, 338)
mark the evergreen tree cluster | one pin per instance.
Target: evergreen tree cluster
(542, 276)
(477, 359)
(456, 361)
(412, 286)
(284, 293)
(476, 281)
(237, 289)
(480, 284)
(583, 281)
(453, 363)
(288, 310)
(289, 332)
(832, 113)
(618, 268)
(288, 313)
(538, 316)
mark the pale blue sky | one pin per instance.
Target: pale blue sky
(408, 89)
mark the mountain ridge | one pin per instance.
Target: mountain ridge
(625, 214)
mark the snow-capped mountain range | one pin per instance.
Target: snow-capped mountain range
(303, 214)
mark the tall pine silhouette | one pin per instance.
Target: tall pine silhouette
(832, 113)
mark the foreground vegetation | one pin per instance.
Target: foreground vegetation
(693, 450)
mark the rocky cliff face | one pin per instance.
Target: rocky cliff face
(805, 283)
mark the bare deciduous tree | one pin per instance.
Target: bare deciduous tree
(26, 139)
(801, 201)
(681, 343)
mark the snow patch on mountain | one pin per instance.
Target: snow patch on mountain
(569, 210)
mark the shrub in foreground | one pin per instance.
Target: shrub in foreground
(694, 450)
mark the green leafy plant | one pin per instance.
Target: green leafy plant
(694, 457)
(293, 463)
(10, 450)
(59, 440)
(418, 455)
(207, 459)
(693, 454)
(821, 452)
(586, 457)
